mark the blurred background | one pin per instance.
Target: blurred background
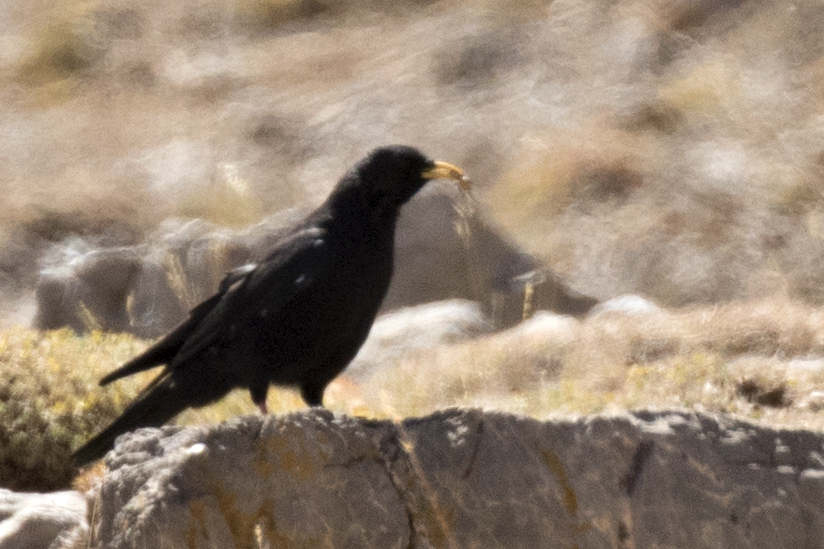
(671, 149)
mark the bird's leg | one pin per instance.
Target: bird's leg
(258, 393)
(313, 393)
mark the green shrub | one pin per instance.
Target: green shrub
(49, 401)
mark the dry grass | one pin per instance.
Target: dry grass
(763, 361)
(701, 359)
(227, 202)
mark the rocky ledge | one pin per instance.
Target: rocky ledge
(464, 478)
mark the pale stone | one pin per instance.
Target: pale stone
(465, 478)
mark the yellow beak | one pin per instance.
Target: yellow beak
(442, 170)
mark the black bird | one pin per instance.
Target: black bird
(297, 318)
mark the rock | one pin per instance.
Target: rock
(145, 289)
(149, 288)
(465, 478)
(399, 333)
(444, 252)
(156, 307)
(89, 290)
(805, 366)
(545, 326)
(517, 298)
(628, 305)
(814, 401)
(34, 521)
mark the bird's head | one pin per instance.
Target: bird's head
(390, 176)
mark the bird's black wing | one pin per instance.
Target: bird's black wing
(299, 254)
(297, 261)
(165, 350)
(295, 264)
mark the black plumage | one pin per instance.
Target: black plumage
(297, 318)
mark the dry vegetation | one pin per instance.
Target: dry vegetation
(49, 403)
(762, 361)
(670, 149)
(758, 360)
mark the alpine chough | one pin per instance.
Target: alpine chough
(295, 319)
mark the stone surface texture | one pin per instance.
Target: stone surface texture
(42, 521)
(465, 479)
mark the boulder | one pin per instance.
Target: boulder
(446, 250)
(629, 305)
(399, 333)
(88, 290)
(465, 478)
(42, 521)
(442, 253)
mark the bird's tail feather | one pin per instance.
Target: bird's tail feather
(138, 364)
(151, 409)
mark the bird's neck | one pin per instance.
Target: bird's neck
(355, 211)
